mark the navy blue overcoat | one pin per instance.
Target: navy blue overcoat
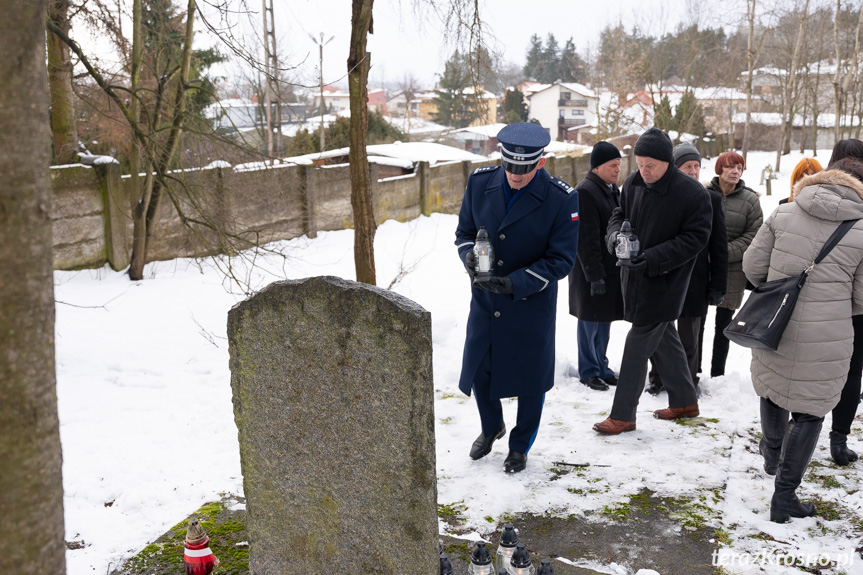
(535, 244)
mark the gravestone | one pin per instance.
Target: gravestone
(334, 403)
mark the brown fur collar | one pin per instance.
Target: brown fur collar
(830, 177)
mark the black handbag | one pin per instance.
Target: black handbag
(761, 321)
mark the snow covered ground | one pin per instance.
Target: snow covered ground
(148, 433)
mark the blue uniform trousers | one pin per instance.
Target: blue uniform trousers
(593, 339)
(491, 412)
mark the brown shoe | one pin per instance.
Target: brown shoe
(677, 412)
(613, 426)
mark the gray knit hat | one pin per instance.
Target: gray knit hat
(654, 143)
(685, 152)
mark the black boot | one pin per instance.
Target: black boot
(774, 423)
(797, 450)
(839, 449)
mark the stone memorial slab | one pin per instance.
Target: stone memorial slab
(334, 402)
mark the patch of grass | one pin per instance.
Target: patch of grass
(723, 537)
(165, 555)
(460, 550)
(445, 420)
(452, 513)
(829, 510)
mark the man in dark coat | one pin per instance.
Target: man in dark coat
(671, 215)
(709, 276)
(594, 284)
(532, 222)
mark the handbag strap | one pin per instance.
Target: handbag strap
(829, 245)
(834, 239)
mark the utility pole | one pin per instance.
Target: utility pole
(321, 44)
(271, 91)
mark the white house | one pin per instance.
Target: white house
(561, 106)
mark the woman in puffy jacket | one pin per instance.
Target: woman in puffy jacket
(806, 374)
(743, 217)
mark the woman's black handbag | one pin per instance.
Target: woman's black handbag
(761, 321)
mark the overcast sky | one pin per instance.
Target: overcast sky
(405, 43)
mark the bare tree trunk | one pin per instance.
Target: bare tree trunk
(147, 210)
(854, 72)
(789, 90)
(31, 488)
(63, 126)
(361, 197)
(750, 65)
(837, 76)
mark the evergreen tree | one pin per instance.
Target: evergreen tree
(689, 117)
(662, 117)
(533, 58)
(514, 108)
(572, 67)
(550, 66)
(455, 106)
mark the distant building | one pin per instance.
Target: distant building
(480, 140)
(425, 106)
(338, 101)
(561, 106)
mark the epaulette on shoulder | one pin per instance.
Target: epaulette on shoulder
(561, 184)
(485, 169)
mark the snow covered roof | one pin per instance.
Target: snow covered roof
(572, 86)
(484, 132)
(402, 154)
(775, 119)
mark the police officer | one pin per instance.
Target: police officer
(532, 221)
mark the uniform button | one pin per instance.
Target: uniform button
(497, 314)
(499, 263)
(502, 236)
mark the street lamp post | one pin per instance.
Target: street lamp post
(321, 45)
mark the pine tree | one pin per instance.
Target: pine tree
(572, 67)
(533, 58)
(550, 61)
(514, 108)
(689, 117)
(662, 117)
(455, 107)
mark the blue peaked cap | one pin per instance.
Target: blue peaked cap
(521, 146)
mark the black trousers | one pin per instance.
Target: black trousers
(661, 341)
(720, 342)
(689, 330)
(846, 409)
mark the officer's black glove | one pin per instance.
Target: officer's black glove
(597, 287)
(715, 297)
(470, 264)
(494, 284)
(635, 263)
(611, 241)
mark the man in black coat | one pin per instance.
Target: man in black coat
(671, 215)
(594, 284)
(709, 276)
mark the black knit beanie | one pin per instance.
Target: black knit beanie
(685, 152)
(603, 152)
(654, 143)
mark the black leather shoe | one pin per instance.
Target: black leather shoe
(482, 446)
(610, 380)
(515, 462)
(595, 383)
(654, 387)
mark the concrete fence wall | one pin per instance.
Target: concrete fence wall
(92, 206)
